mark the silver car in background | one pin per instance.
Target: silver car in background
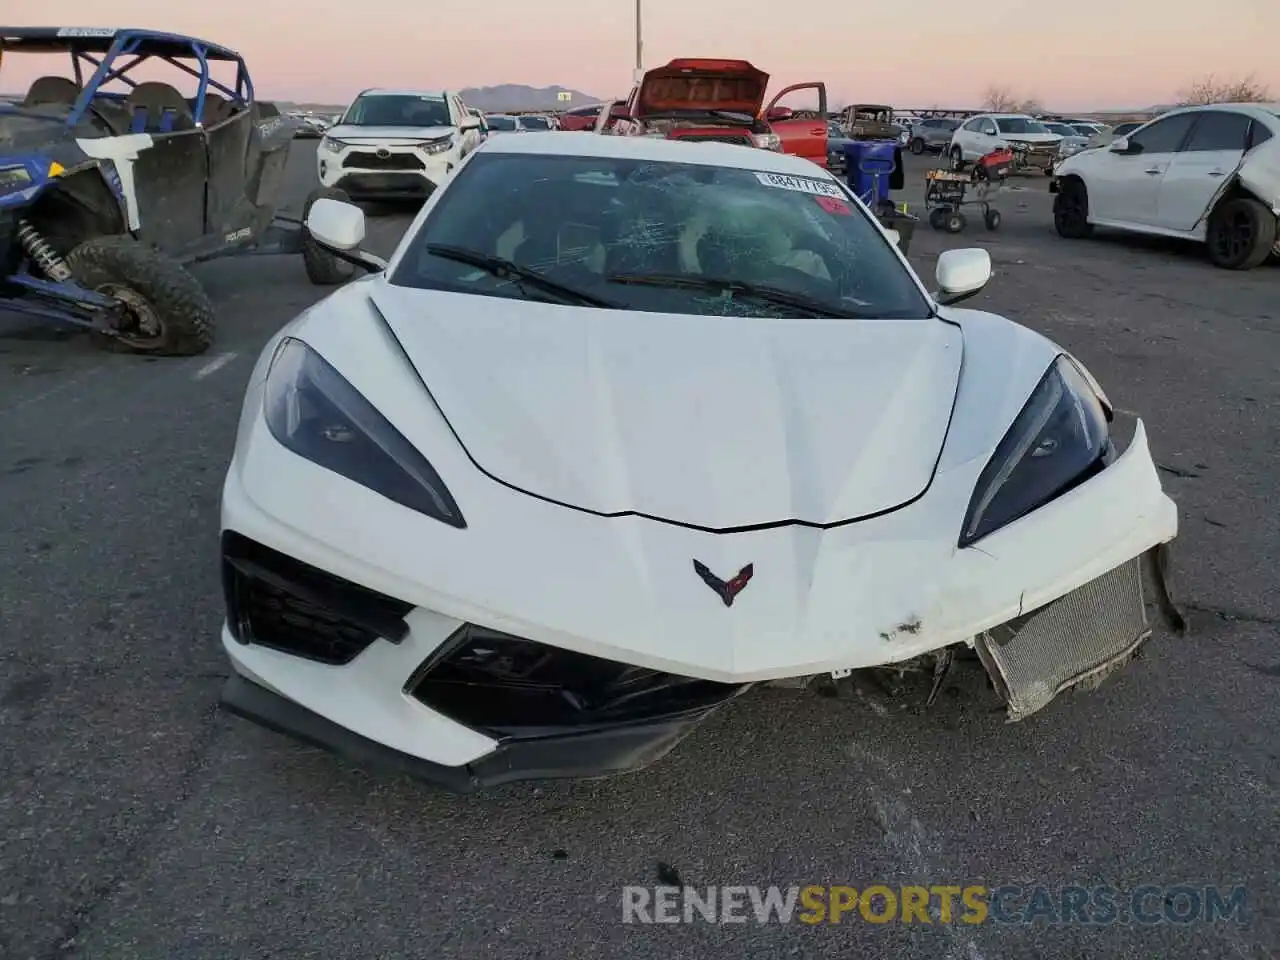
(932, 134)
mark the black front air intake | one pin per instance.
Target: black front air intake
(509, 687)
(276, 601)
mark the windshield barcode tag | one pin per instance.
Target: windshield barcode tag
(820, 188)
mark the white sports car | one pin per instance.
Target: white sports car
(626, 426)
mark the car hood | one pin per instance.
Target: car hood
(714, 422)
(368, 135)
(696, 85)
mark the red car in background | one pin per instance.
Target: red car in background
(721, 100)
(581, 118)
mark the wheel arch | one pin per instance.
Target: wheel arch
(78, 207)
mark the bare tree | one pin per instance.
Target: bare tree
(1211, 89)
(999, 99)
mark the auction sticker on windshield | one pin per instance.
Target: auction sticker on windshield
(783, 181)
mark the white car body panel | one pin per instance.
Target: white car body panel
(1171, 194)
(858, 594)
(764, 419)
(975, 144)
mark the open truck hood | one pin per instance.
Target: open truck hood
(715, 422)
(697, 85)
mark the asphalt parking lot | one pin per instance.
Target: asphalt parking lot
(137, 821)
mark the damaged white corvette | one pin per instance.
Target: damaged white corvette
(627, 426)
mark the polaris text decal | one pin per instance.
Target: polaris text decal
(87, 31)
(821, 188)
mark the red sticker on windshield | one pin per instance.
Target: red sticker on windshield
(834, 205)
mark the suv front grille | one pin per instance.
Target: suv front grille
(275, 601)
(371, 161)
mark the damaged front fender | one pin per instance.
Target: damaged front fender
(1081, 638)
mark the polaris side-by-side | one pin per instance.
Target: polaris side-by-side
(110, 184)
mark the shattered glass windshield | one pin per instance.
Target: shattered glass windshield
(398, 110)
(659, 237)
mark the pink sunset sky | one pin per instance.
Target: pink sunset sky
(1070, 55)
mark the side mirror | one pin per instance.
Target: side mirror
(961, 274)
(1121, 145)
(778, 113)
(339, 228)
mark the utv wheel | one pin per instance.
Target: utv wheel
(917, 146)
(1241, 234)
(992, 219)
(1071, 210)
(166, 311)
(324, 268)
(957, 159)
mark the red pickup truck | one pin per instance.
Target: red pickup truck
(721, 100)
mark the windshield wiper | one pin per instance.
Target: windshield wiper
(766, 294)
(507, 270)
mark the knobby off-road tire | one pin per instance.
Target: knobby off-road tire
(156, 289)
(1241, 235)
(324, 268)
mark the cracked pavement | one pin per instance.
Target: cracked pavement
(137, 821)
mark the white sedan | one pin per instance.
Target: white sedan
(626, 426)
(1209, 174)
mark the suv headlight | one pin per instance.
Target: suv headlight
(436, 146)
(767, 141)
(330, 145)
(313, 410)
(1058, 441)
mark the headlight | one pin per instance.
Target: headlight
(1058, 440)
(314, 411)
(436, 146)
(1018, 147)
(767, 141)
(333, 146)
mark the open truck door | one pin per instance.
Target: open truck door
(801, 132)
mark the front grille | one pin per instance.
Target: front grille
(1070, 641)
(509, 687)
(738, 139)
(393, 161)
(276, 601)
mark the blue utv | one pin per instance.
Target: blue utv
(111, 184)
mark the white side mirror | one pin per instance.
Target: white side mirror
(1120, 145)
(339, 225)
(962, 273)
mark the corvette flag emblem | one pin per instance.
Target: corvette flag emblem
(726, 590)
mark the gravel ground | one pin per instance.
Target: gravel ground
(137, 821)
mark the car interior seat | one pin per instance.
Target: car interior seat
(158, 108)
(216, 108)
(52, 90)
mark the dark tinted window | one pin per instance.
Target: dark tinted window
(398, 110)
(535, 123)
(1164, 136)
(1219, 130)
(500, 123)
(584, 222)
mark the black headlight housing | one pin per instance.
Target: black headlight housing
(314, 411)
(1060, 439)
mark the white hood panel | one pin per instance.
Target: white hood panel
(369, 136)
(715, 422)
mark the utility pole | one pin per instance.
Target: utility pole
(639, 73)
